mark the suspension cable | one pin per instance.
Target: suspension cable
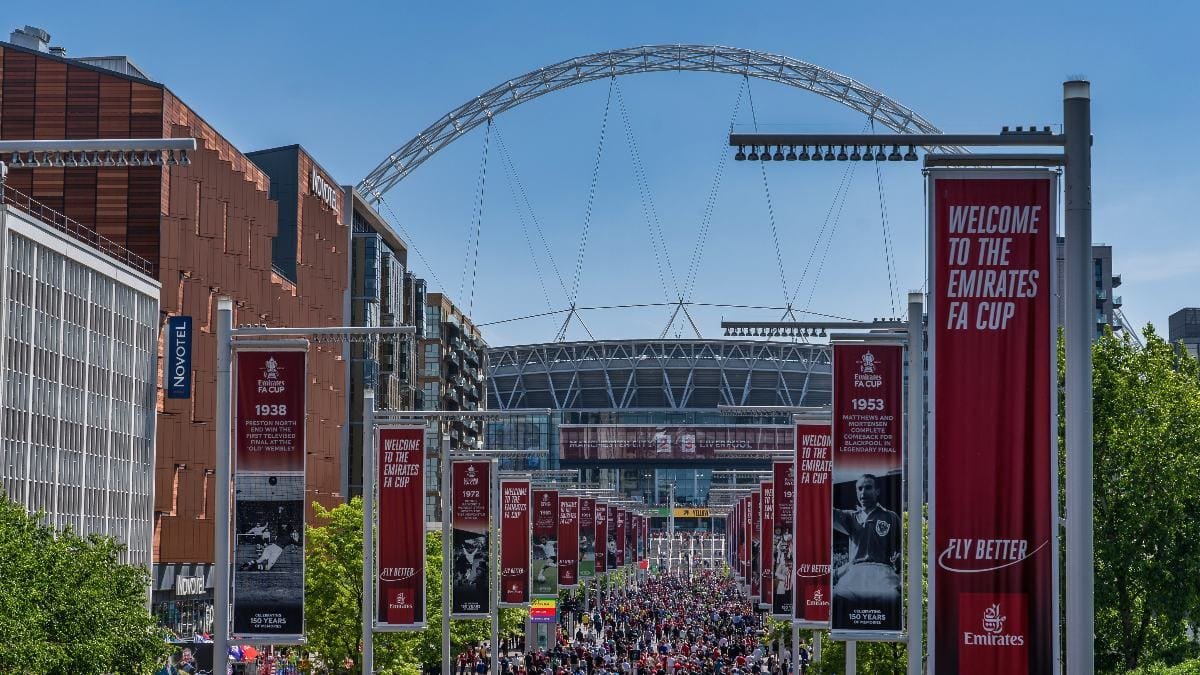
(587, 213)
(762, 166)
(838, 198)
(889, 256)
(411, 241)
(512, 180)
(649, 213)
(487, 138)
(711, 203)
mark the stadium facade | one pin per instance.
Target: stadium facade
(642, 415)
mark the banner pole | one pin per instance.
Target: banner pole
(816, 650)
(368, 504)
(494, 572)
(916, 474)
(795, 648)
(1077, 126)
(851, 657)
(447, 544)
(224, 479)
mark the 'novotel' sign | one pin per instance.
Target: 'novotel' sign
(178, 362)
(324, 191)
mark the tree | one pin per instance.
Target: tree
(1146, 437)
(67, 605)
(333, 601)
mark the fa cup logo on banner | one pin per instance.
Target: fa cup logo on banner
(270, 383)
(471, 478)
(866, 375)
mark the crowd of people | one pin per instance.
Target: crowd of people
(669, 624)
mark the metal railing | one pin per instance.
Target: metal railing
(76, 230)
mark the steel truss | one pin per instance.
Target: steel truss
(633, 60)
(660, 374)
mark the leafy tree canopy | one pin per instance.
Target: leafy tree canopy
(67, 605)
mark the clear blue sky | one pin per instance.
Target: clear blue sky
(353, 81)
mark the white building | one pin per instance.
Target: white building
(78, 362)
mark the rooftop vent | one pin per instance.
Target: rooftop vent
(31, 37)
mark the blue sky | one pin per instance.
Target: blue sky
(353, 81)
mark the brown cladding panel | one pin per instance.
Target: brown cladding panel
(50, 112)
(19, 91)
(114, 108)
(83, 103)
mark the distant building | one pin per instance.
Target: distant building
(452, 376)
(1107, 305)
(1184, 326)
(78, 356)
(382, 292)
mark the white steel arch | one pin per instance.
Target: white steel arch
(645, 59)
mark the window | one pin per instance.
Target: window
(433, 322)
(433, 360)
(433, 393)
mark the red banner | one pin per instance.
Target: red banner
(587, 537)
(811, 529)
(601, 538)
(619, 535)
(589, 442)
(471, 510)
(782, 570)
(568, 541)
(743, 535)
(868, 487)
(270, 411)
(754, 526)
(400, 529)
(545, 543)
(992, 397)
(766, 547)
(514, 542)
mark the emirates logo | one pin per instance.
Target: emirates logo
(993, 620)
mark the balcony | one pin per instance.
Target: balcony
(1117, 301)
(1116, 280)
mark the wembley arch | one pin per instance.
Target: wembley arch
(630, 61)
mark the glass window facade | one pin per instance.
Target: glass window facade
(79, 385)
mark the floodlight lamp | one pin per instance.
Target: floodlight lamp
(151, 160)
(741, 154)
(766, 153)
(854, 156)
(829, 153)
(841, 156)
(778, 154)
(108, 159)
(879, 156)
(791, 156)
(803, 156)
(816, 155)
(58, 160)
(31, 160)
(72, 161)
(133, 159)
(894, 155)
(183, 158)
(753, 156)
(911, 155)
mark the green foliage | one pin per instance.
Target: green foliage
(333, 601)
(67, 605)
(1146, 438)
